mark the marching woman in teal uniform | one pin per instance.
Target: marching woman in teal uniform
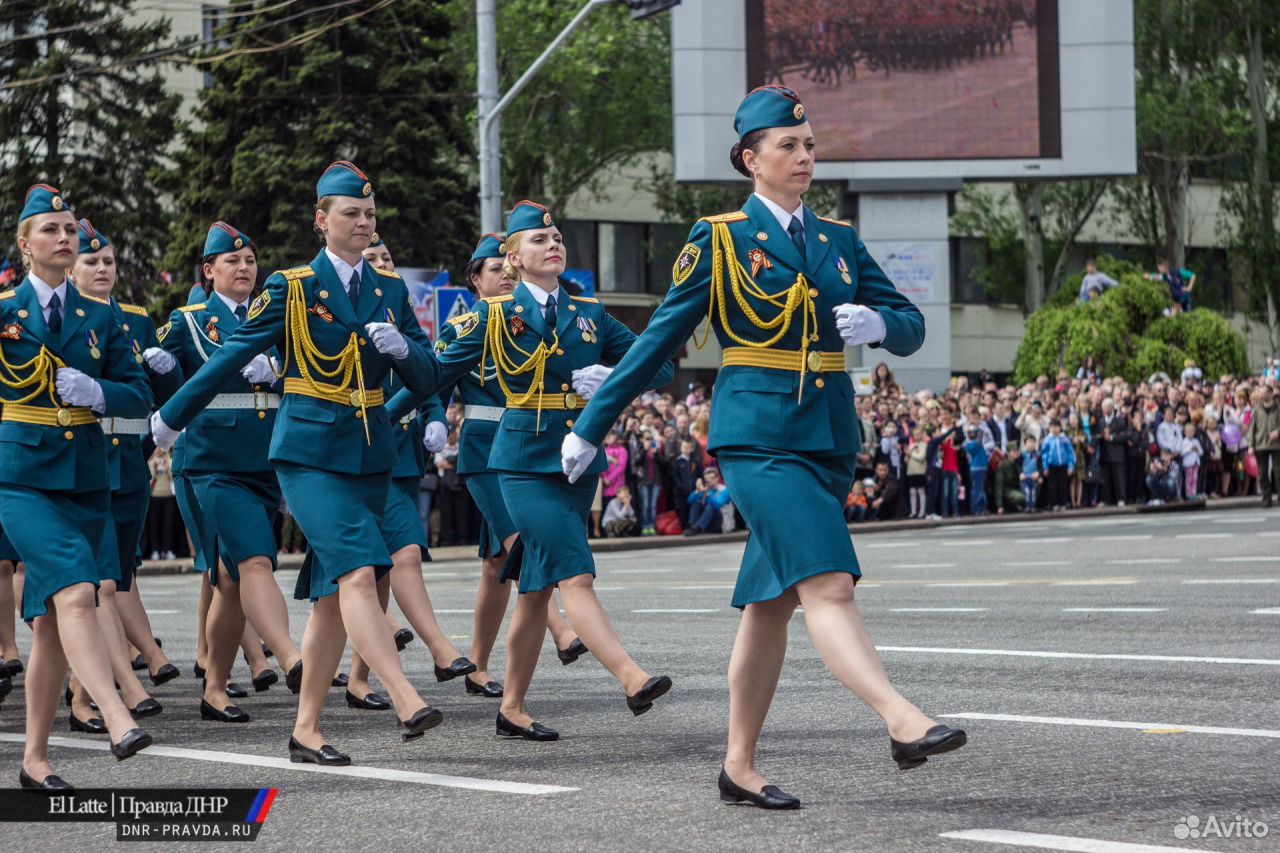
(64, 362)
(484, 405)
(549, 351)
(786, 291)
(94, 275)
(225, 462)
(404, 533)
(342, 326)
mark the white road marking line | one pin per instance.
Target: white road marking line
(969, 583)
(888, 545)
(1123, 537)
(1146, 561)
(1267, 611)
(1270, 559)
(964, 542)
(1252, 519)
(923, 566)
(383, 773)
(1231, 580)
(674, 610)
(699, 586)
(162, 612)
(1080, 655)
(1204, 536)
(1120, 724)
(1113, 610)
(464, 610)
(1061, 842)
(1043, 540)
(441, 575)
(939, 609)
(1097, 582)
(1271, 533)
(642, 571)
(1040, 563)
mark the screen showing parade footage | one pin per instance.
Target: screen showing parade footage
(915, 79)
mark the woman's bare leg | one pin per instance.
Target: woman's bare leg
(524, 645)
(592, 623)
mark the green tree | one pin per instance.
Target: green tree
(83, 109)
(290, 93)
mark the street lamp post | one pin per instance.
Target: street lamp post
(492, 106)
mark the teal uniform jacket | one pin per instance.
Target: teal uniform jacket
(526, 441)
(126, 453)
(222, 440)
(311, 432)
(761, 406)
(408, 425)
(71, 458)
(476, 441)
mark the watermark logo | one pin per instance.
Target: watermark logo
(1212, 826)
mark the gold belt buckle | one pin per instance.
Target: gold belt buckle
(815, 361)
(64, 417)
(571, 401)
(355, 399)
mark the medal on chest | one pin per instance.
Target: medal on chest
(137, 353)
(322, 311)
(91, 338)
(759, 259)
(11, 332)
(588, 327)
(844, 270)
(517, 325)
(211, 330)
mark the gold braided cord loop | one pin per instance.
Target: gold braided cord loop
(35, 377)
(311, 361)
(496, 338)
(795, 298)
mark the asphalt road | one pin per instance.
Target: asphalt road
(1116, 676)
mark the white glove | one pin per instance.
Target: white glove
(388, 340)
(161, 434)
(80, 389)
(859, 325)
(587, 380)
(576, 454)
(159, 359)
(436, 437)
(260, 371)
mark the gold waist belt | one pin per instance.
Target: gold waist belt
(777, 359)
(44, 416)
(548, 402)
(342, 396)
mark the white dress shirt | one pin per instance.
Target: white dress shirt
(45, 292)
(784, 218)
(344, 269)
(231, 303)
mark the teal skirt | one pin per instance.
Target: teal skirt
(496, 525)
(108, 556)
(401, 524)
(57, 535)
(551, 515)
(239, 516)
(340, 516)
(192, 518)
(794, 505)
(129, 516)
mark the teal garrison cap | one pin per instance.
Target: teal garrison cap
(42, 198)
(527, 215)
(490, 246)
(768, 106)
(343, 178)
(224, 238)
(91, 239)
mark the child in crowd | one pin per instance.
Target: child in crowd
(1191, 451)
(977, 471)
(917, 472)
(1058, 458)
(855, 508)
(1030, 479)
(890, 449)
(620, 515)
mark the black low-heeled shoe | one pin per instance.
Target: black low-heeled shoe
(263, 680)
(168, 672)
(770, 796)
(146, 708)
(641, 701)
(426, 718)
(67, 696)
(235, 691)
(12, 667)
(198, 670)
(91, 726)
(266, 651)
(325, 755)
(133, 742)
(293, 678)
(6, 686)
(371, 702)
(576, 650)
(229, 714)
(50, 782)
(340, 680)
(139, 663)
(936, 741)
(489, 690)
(403, 637)
(534, 731)
(461, 666)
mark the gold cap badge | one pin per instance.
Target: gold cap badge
(546, 219)
(368, 188)
(798, 112)
(96, 244)
(57, 202)
(239, 244)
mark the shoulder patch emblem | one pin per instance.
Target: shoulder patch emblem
(465, 324)
(589, 299)
(260, 303)
(164, 332)
(442, 345)
(685, 264)
(134, 309)
(187, 309)
(494, 300)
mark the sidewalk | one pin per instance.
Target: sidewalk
(635, 543)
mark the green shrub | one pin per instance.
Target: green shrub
(1206, 337)
(1070, 290)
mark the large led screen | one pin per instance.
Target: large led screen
(915, 79)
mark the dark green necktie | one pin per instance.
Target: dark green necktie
(549, 314)
(353, 289)
(241, 313)
(55, 315)
(796, 230)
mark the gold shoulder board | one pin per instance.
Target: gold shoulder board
(387, 273)
(133, 309)
(8, 294)
(97, 299)
(494, 300)
(298, 272)
(187, 309)
(735, 216)
(590, 299)
(837, 222)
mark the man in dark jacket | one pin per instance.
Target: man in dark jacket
(884, 503)
(1008, 494)
(1115, 432)
(685, 473)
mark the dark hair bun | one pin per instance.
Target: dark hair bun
(735, 160)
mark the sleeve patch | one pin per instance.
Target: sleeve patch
(685, 264)
(465, 324)
(259, 304)
(164, 332)
(442, 345)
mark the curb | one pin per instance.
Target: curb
(638, 543)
